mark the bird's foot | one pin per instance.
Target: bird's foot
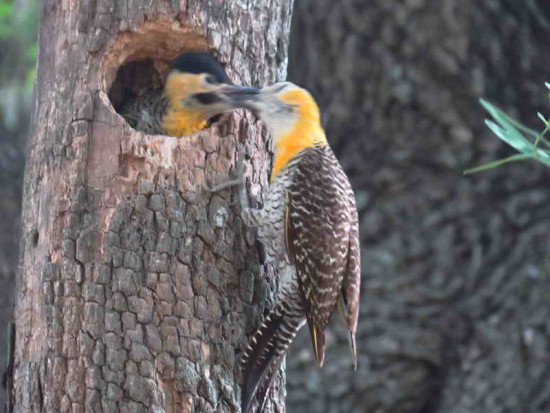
(239, 174)
(226, 184)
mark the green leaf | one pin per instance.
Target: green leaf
(512, 132)
(541, 117)
(513, 158)
(511, 136)
(509, 133)
(499, 115)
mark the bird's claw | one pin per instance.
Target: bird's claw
(239, 180)
(225, 185)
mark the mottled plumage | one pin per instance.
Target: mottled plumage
(308, 226)
(322, 214)
(146, 113)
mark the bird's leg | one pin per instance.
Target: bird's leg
(240, 182)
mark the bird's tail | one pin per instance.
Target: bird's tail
(348, 301)
(342, 309)
(266, 349)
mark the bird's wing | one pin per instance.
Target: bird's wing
(348, 302)
(318, 237)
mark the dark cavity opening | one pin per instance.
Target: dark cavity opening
(136, 79)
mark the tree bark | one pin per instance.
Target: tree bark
(455, 304)
(137, 286)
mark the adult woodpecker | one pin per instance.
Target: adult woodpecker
(309, 228)
(187, 104)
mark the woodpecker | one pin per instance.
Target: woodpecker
(309, 228)
(187, 104)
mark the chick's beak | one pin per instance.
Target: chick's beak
(239, 96)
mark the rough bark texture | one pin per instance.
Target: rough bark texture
(137, 286)
(455, 311)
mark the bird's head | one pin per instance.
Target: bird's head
(287, 110)
(197, 89)
(290, 115)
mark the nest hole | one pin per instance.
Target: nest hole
(135, 79)
(139, 61)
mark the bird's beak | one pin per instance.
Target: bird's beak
(239, 96)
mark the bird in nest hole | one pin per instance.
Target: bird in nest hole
(195, 93)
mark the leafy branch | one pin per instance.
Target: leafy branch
(526, 141)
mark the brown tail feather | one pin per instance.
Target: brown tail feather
(318, 342)
(342, 310)
(265, 351)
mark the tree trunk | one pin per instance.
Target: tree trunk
(138, 287)
(455, 302)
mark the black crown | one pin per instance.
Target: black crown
(197, 63)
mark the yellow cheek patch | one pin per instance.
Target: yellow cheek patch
(307, 131)
(181, 120)
(180, 86)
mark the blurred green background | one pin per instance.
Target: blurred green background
(18, 49)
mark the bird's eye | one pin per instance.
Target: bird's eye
(210, 80)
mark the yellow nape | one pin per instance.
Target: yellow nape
(179, 119)
(305, 133)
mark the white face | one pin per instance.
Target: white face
(279, 116)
